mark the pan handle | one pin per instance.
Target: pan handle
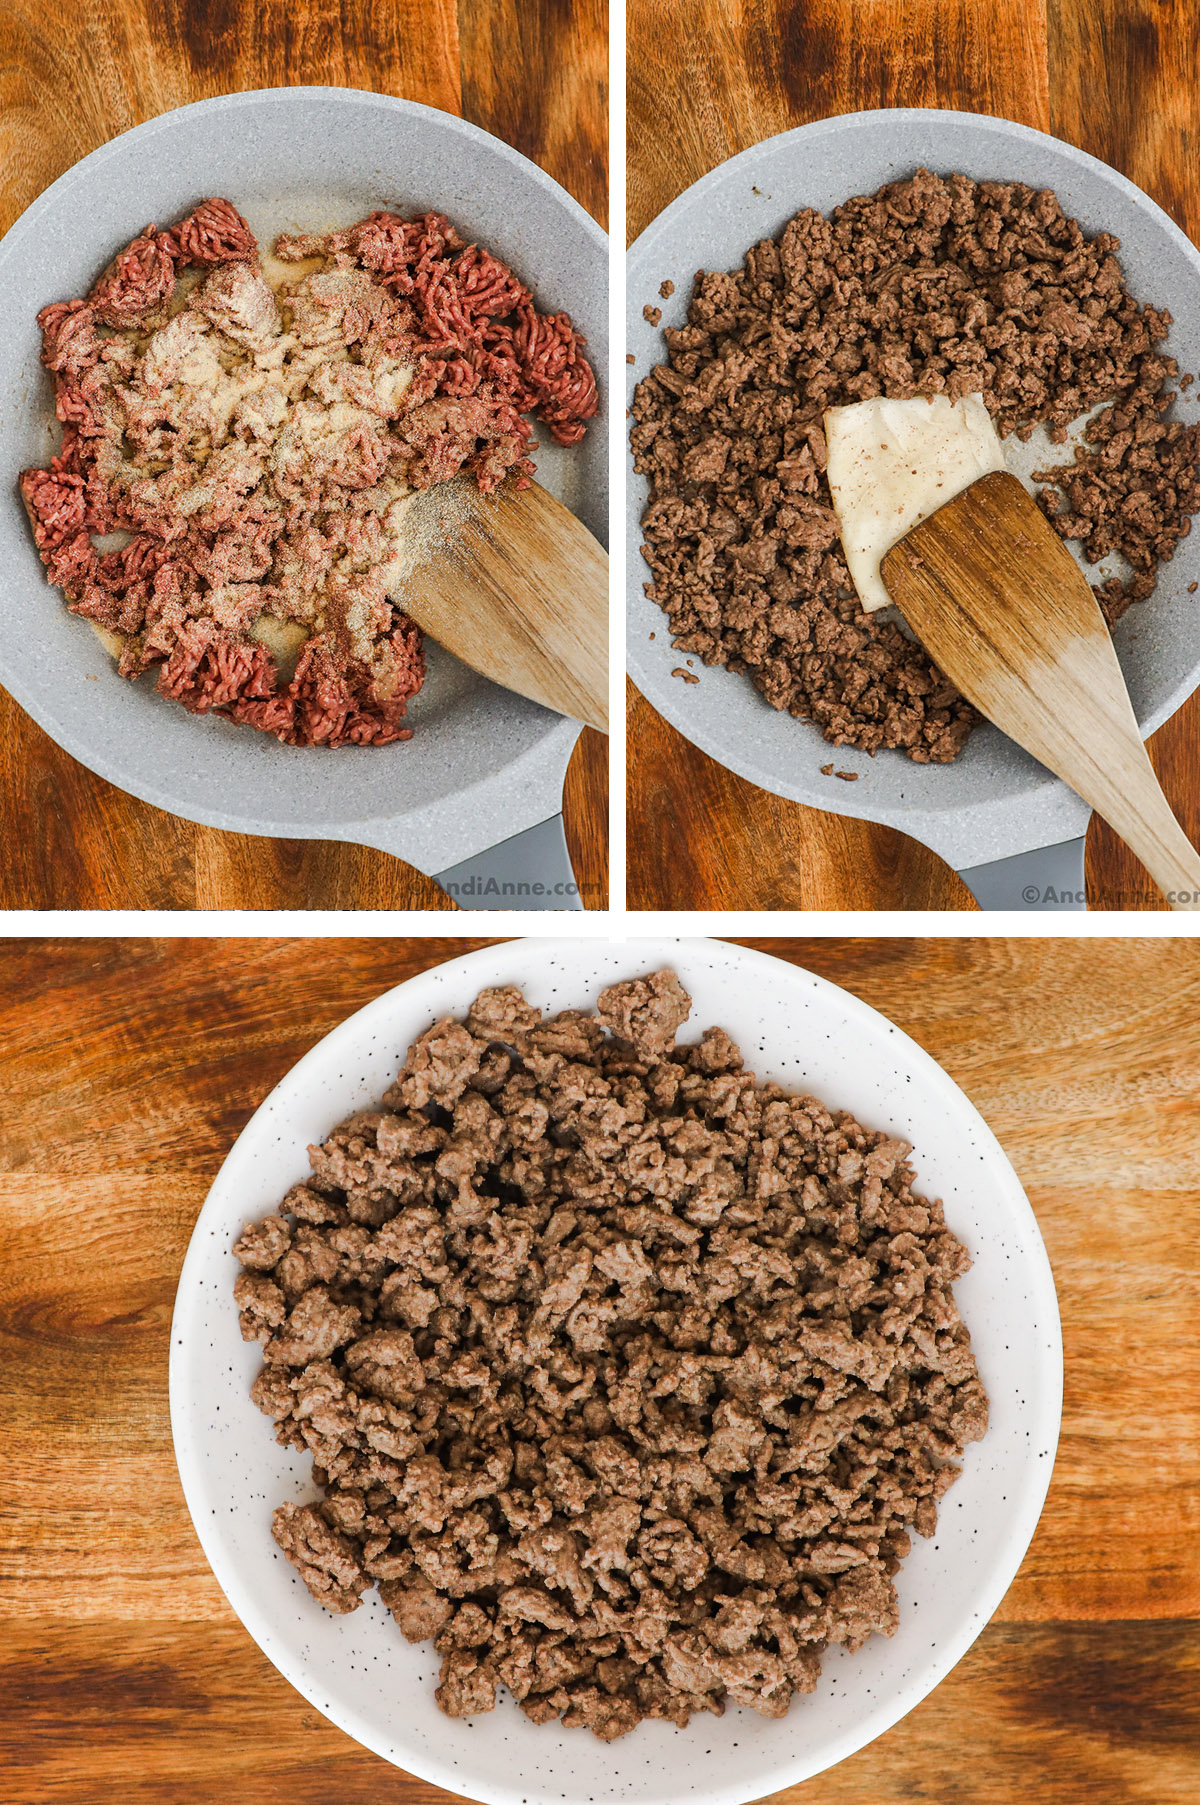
(1049, 877)
(530, 871)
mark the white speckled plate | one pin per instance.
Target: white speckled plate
(358, 1670)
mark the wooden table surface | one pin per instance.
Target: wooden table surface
(132, 1067)
(1118, 78)
(71, 77)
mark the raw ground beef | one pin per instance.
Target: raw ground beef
(932, 286)
(253, 451)
(625, 1377)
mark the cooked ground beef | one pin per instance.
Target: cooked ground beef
(255, 450)
(625, 1376)
(932, 286)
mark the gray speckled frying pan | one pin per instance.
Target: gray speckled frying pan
(992, 809)
(484, 766)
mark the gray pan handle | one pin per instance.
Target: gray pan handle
(1050, 877)
(530, 871)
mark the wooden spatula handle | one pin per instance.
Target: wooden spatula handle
(1006, 613)
(1138, 811)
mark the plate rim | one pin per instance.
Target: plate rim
(647, 950)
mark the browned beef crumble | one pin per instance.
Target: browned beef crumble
(932, 286)
(625, 1376)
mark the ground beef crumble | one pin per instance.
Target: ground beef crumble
(625, 1377)
(253, 449)
(932, 286)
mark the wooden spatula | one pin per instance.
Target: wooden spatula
(1005, 612)
(515, 586)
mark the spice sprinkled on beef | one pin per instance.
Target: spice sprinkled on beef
(249, 452)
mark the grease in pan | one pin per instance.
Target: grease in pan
(253, 449)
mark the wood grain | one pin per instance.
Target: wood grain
(121, 1666)
(1122, 87)
(1112, 77)
(758, 67)
(700, 837)
(73, 77)
(535, 72)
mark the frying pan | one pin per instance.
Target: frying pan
(484, 767)
(1011, 830)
